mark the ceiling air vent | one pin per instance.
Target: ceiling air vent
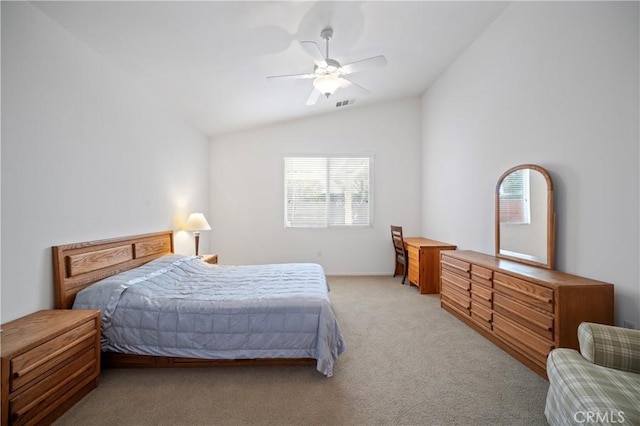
(345, 103)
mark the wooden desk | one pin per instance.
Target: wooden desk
(424, 263)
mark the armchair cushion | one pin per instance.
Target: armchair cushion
(580, 390)
(609, 346)
(601, 384)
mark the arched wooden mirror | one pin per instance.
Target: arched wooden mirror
(525, 218)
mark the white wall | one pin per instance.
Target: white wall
(247, 208)
(87, 153)
(556, 84)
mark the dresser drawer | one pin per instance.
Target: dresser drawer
(50, 355)
(454, 280)
(481, 314)
(536, 321)
(38, 400)
(524, 291)
(482, 275)
(480, 294)
(458, 266)
(523, 339)
(444, 302)
(455, 297)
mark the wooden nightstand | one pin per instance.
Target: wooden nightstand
(210, 258)
(50, 361)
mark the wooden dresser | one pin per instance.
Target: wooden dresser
(424, 256)
(50, 360)
(526, 310)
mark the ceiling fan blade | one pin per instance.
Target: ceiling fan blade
(346, 83)
(292, 76)
(314, 50)
(373, 62)
(313, 97)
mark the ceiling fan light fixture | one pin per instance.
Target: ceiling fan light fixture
(327, 84)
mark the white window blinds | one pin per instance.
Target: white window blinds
(515, 198)
(321, 192)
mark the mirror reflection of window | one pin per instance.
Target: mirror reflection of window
(525, 220)
(515, 197)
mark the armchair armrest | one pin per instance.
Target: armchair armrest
(609, 346)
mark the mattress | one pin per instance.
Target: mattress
(180, 306)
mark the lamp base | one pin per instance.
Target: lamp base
(197, 235)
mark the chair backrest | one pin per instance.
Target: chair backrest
(398, 240)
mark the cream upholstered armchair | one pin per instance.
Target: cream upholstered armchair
(598, 385)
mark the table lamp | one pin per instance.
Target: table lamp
(196, 223)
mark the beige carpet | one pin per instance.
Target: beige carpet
(407, 362)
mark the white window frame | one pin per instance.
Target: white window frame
(327, 221)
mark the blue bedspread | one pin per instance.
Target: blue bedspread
(179, 306)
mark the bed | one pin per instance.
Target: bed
(160, 309)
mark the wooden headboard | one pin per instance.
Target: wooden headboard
(76, 266)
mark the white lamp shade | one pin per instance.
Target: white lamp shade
(196, 222)
(327, 84)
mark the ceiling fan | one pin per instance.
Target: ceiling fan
(328, 75)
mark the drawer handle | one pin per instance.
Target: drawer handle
(459, 268)
(526, 293)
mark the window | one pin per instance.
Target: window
(514, 199)
(322, 192)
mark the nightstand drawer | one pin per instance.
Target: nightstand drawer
(50, 355)
(39, 399)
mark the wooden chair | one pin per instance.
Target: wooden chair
(401, 252)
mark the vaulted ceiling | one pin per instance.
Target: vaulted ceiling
(210, 59)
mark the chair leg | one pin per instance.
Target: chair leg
(405, 274)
